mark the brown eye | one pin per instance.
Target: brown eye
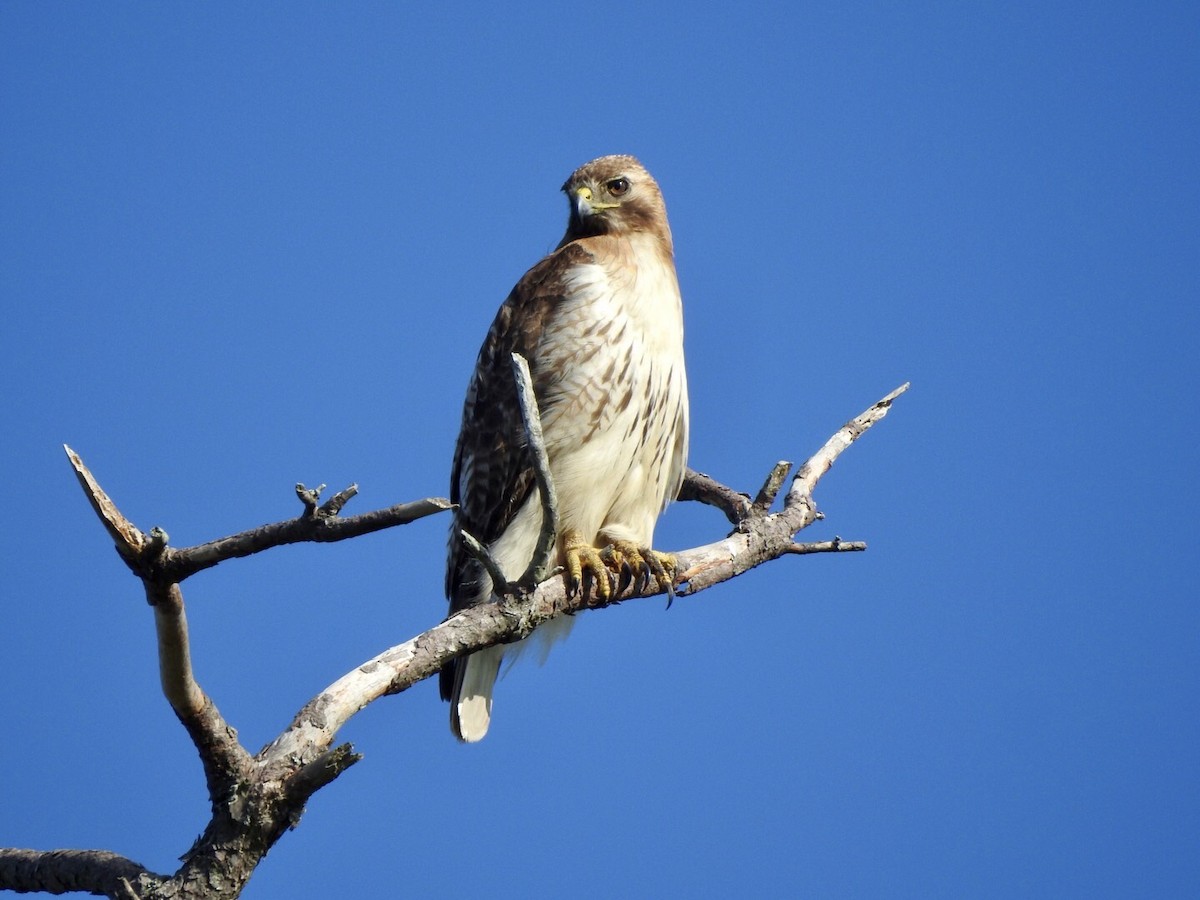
(618, 187)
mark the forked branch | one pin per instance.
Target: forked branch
(256, 798)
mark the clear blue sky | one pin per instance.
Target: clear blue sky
(248, 247)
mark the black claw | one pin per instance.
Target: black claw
(626, 576)
(654, 567)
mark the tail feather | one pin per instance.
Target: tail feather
(471, 697)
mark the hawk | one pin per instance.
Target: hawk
(600, 322)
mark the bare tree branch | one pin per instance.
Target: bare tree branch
(255, 799)
(325, 526)
(483, 555)
(249, 809)
(760, 538)
(122, 531)
(154, 559)
(67, 871)
(707, 490)
(837, 545)
(334, 504)
(810, 473)
(321, 771)
(770, 489)
(310, 497)
(225, 761)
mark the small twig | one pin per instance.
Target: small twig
(543, 555)
(800, 493)
(157, 543)
(309, 497)
(321, 771)
(334, 504)
(483, 555)
(770, 489)
(837, 545)
(330, 508)
(709, 491)
(125, 533)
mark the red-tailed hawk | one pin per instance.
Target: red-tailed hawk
(600, 322)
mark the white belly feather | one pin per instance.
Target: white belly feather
(616, 422)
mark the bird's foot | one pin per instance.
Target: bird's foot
(586, 568)
(640, 566)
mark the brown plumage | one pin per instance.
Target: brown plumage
(599, 321)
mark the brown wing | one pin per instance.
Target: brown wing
(492, 474)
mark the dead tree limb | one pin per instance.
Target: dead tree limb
(255, 798)
(67, 871)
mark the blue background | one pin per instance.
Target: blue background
(245, 247)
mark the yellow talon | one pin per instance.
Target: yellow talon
(640, 566)
(585, 566)
(611, 570)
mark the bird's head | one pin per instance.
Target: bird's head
(615, 195)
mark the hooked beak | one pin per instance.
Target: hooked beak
(585, 205)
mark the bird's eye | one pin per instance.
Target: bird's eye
(618, 187)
